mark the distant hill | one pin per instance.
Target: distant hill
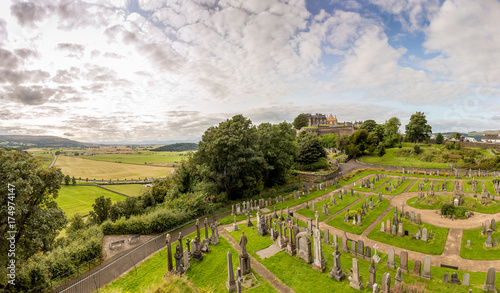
(177, 147)
(29, 141)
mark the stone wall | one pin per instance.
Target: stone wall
(426, 170)
(306, 176)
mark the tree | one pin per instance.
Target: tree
(328, 140)
(300, 121)
(392, 136)
(456, 135)
(439, 138)
(458, 145)
(369, 125)
(33, 189)
(101, 209)
(67, 179)
(417, 129)
(359, 141)
(342, 141)
(310, 149)
(73, 180)
(76, 223)
(279, 147)
(230, 157)
(378, 133)
(380, 150)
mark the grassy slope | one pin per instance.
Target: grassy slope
(432, 246)
(79, 199)
(340, 204)
(477, 250)
(378, 208)
(390, 159)
(105, 170)
(435, 202)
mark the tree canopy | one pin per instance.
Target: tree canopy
(300, 121)
(310, 150)
(417, 129)
(439, 138)
(369, 125)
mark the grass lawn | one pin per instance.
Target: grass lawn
(79, 199)
(390, 159)
(467, 187)
(98, 170)
(44, 159)
(414, 188)
(489, 187)
(432, 246)
(340, 204)
(378, 208)
(477, 250)
(399, 189)
(302, 278)
(230, 219)
(141, 158)
(128, 189)
(376, 185)
(435, 202)
(210, 273)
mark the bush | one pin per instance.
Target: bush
(449, 145)
(321, 164)
(458, 146)
(416, 149)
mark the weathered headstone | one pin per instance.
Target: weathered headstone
(386, 283)
(373, 274)
(424, 234)
(376, 258)
(390, 260)
(375, 288)
(344, 246)
(398, 279)
(353, 247)
(355, 280)
(336, 272)
(235, 226)
(335, 239)
(446, 278)
(170, 266)
(454, 279)
(244, 257)
(490, 280)
(426, 272)
(231, 284)
(400, 229)
(318, 252)
(327, 236)
(466, 279)
(382, 227)
(488, 242)
(403, 261)
(303, 246)
(416, 268)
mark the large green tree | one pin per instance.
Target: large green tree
(439, 138)
(278, 145)
(417, 129)
(310, 149)
(229, 156)
(101, 207)
(33, 211)
(328, 140)
(300, 121)
(392, 136)
(359, 141)
(369, 125)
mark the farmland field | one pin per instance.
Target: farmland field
(45, 159)
(128, 189)
(98, 170)
(141, 158)
(79, 199)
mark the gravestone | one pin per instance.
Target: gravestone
(490, 280)
(400, 229)
(170, 266)
(376, 258)
(403, 261)
(353, 247)
(412, 217)
(303, 244)
(361, 248)
(493, 228)
(424, 234)
(318, 252)
(386, 283)
(375, 288)
(394, 229)
(235, 226)
(197, 255)
(244, 257)
(355, 280)
(231, 283)
(454, 279)
(327, 236)
(368, 253)
(466, 279)
(309, 226)
(388, 226)
(335, 239)
(426, 272)
(488, 242)
(398, 279)
(416, 268)
(373, 274)
(249, 223)
(336, 272)
(390, 260)
(344, 246)
(495, 241)
(382, 227)
(446, 278)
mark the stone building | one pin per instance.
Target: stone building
(321, 125)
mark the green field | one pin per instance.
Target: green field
(82, 168)
(390, 159)
(128, 189)
(79, 199)
(371, 215)
(141, 158)
(396, 190)
(45, 159)
(434, 245)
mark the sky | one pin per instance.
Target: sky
(133, 71)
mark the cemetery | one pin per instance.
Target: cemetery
(338, 237)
